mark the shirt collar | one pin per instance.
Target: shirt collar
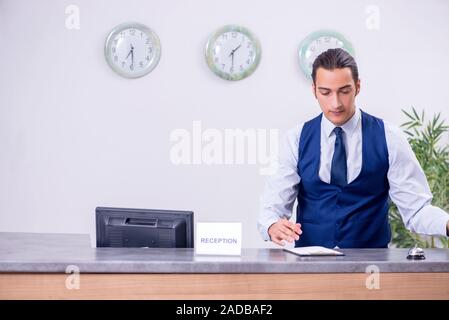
(349, 127)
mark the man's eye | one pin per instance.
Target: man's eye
(345, 91)
(325, 93)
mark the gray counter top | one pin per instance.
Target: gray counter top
(54, 253)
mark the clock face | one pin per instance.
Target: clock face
(233, 52)
(132, 50)
(316, 43)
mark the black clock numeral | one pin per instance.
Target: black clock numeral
(115, 58)
(234, 34)
(216, 59)
(231, 70)
(132, 31)
(113, 49)
(224, 36)
(141, 64)
(248, 61)
(123, 64)
(249, 44)
(148, 58)
(150, 50)
(131, 67)
(141, 34)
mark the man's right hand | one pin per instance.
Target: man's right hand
(284, 230)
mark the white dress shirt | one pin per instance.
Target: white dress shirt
(409, 189)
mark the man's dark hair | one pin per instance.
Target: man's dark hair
(335, 59)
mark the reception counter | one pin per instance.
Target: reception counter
(65, 266)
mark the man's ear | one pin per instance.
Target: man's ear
(357, 87)
(313, 90)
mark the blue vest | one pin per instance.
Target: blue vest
(353, 216)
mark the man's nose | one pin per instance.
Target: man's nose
(335, 101)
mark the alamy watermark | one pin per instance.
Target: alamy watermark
(72, 282)
(372, 282)
(212, 146)
(72, 20)
(372, 21)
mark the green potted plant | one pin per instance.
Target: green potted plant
(424, 139)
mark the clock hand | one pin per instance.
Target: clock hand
(232, 51)
(131, 52)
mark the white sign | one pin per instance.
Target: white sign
(220, 238)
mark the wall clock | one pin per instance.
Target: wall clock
(318, 42)
(132, 50)
(233, 52)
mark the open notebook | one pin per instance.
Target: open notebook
(314, 251)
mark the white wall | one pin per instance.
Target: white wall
(74, 135)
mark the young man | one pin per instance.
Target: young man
(342, 167)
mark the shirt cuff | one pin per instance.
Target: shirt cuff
(263, 228)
